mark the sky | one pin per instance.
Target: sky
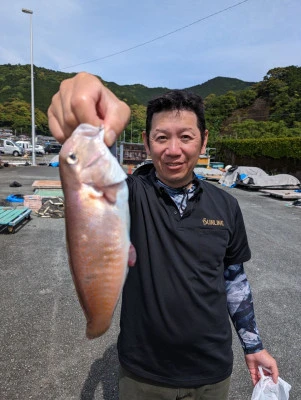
(166, 43)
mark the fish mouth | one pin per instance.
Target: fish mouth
(91, 131)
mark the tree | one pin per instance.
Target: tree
(136, 124)
(17, 115)
(250, 129)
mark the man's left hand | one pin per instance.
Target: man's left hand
(264, 359)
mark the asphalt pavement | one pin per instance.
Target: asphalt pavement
(44, 351)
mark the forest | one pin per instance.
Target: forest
(235, 109)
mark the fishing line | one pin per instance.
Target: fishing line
(158, 37)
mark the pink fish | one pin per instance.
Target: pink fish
(97, 224)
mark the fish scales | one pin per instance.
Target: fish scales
(97, 224)
(97, 264)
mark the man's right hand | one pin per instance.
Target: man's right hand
(84, 99)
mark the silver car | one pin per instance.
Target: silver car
(9, 147)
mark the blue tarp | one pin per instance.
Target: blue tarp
(15, 198)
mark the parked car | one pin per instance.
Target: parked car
(53, 148)
(39, 150)
(10, 148)
(27, 146)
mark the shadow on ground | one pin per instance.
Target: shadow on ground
(104, 372)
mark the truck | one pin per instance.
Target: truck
(9, 147)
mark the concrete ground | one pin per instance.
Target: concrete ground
(44, 352)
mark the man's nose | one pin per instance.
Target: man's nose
(173, 147)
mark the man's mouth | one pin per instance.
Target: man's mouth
(174, 164)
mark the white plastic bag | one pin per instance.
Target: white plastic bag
(266, 389)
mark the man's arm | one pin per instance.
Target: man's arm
(241, 310)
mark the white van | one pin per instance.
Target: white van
(27, 146)
(9, 147)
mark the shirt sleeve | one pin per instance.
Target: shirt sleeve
(241, 309)
(238, 250)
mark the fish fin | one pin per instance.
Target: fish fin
(132, 256)
(110, 193)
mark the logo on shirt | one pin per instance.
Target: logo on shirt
(213, 222)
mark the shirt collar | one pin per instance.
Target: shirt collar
(196, 183)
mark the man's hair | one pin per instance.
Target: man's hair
(177, 100)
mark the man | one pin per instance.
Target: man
(190, 239)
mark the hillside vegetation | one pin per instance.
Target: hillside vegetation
(234, 108)
(15, 95)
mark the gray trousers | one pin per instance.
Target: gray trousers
(132, 387)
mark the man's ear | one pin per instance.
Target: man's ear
(145, 142)
(204, 142)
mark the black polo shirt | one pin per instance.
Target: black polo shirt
(175, 328)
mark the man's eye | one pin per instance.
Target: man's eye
(185, 138)
(161, 138)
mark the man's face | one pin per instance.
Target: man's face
(174, 146)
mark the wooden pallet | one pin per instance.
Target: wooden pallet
(48, 193)
(283, 194)
(11, 217)
(47, 184)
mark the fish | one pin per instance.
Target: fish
(97, 224)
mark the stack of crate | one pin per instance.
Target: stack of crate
(46, 191)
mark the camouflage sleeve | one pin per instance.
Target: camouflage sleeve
(241, 309)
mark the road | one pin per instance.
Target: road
(44, 352)
(19, 161)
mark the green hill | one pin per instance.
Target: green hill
(15, 84)
(234, 108)
(220, 85)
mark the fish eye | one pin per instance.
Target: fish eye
(72, 159)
